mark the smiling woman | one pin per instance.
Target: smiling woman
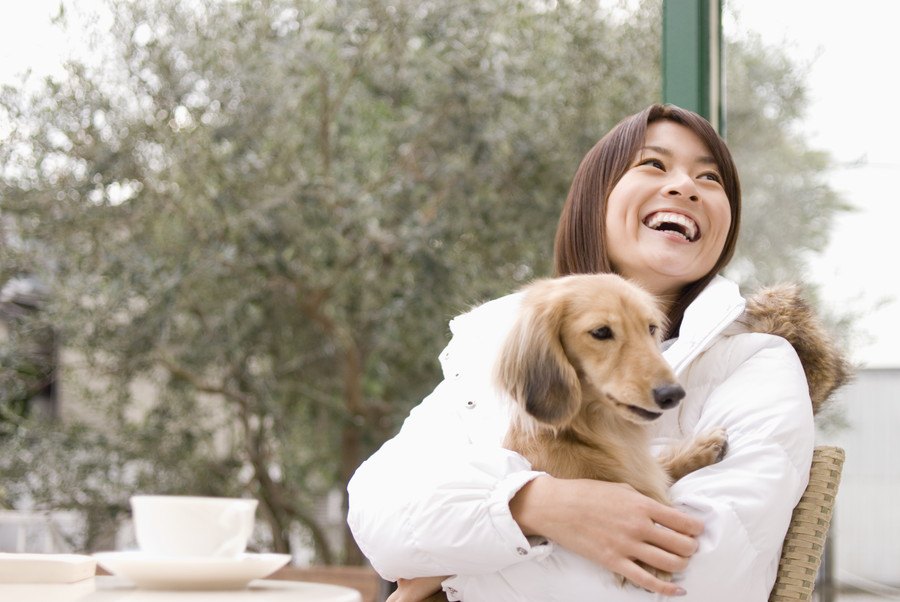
(662, 169)
(668, 217)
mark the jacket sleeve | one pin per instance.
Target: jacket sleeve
(745, 501)
(433, 501)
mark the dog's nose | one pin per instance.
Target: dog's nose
(668, 396)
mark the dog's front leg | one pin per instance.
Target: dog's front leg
(691, 455)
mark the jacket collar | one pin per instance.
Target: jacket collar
(706, 318)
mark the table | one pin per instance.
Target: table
(116, 589)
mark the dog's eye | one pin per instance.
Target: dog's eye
(653, 329)
(603, 333)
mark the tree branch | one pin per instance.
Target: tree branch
(198, 383)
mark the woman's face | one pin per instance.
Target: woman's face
(668, 217)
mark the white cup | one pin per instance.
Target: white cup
(174, 525)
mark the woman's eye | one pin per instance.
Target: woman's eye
(712, 176)
(653, 163)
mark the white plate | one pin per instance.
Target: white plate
(193, 573)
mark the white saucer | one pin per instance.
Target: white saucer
(149, 571)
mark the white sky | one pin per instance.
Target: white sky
(854, 89)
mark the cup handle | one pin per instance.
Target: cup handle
(231, 517)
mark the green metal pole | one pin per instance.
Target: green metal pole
(691, 57)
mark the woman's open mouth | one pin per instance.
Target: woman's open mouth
(677, 223)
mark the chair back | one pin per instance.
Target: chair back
(804, 543)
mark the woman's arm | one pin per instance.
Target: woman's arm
(610, 524)
(430, 502)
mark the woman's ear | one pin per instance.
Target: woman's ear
(533, 368)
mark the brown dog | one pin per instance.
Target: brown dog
(583, 365)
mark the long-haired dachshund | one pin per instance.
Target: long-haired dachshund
(584, 367)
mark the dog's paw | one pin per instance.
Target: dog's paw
(712, 446)
(663, 575)
(694, 454)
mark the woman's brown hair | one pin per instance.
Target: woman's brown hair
(580, 246)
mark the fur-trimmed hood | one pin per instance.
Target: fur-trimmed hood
(781, 310)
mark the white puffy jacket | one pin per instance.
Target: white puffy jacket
(434, 499)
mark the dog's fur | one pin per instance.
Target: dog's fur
(583, 401)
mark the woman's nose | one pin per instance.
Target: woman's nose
(682, 185)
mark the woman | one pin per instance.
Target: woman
(657, 200)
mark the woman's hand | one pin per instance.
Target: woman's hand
(610, 524)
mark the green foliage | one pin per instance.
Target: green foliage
(269, 209)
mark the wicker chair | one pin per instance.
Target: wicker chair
(805, 539)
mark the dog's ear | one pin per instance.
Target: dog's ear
(533, 368)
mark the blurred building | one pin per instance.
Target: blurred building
(865, 542)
